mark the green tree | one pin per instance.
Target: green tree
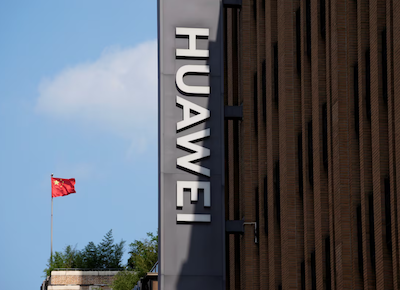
(106, 255)
(110, 254)
(143, 256)
(90, 256)
(125, 280)
(69, 258)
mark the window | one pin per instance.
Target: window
(276, 73)
(325, 136)
(298, 41)
(300, 163)
(303, 275)
(322, 18)
(384, 67)
(264, 90)
(356, 103)
(371, 229)
(328, 262)
(255, 104)
(368, 83)
(266, 204)
(313, 272)
(359, 241)
(257, 215)
(388, 216)
(277, 188)
(308, 27)
(310, 154)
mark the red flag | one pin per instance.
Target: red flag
(61, 186)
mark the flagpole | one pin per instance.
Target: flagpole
(51, 254)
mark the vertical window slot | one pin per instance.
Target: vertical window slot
(384, 67)
(322, 18)
(300, 163)
(257, 216)
(255, 104)
(313, 272)
(371, 229)
(298, 41)
(277, 188)
(255, 9)
(308, 27)
(359, 241)
(325, 136)
(264, 90)
(368, 84)
(388, 216)
(356, 103)
(328, 262)
(303, 275)
(310, 154)
(276, 73)
(266, 204)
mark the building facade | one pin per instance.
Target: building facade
(312, 165)
(79, 280)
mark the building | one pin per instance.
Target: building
(150, 281)
(71, 279)
(311, 167)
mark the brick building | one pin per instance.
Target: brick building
(79, 280)
(314, 159)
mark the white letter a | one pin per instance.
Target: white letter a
(202, 113)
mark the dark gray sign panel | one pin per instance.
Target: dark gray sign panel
(191, 158)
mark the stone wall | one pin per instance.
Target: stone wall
(80, 279)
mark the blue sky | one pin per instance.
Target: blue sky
(78, 98)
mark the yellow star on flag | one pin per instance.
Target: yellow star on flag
(56, 182)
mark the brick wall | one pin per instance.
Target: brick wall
(82, 277)
(314, 159)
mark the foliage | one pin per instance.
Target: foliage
(125, 280)
(144, 254)
(106, 255)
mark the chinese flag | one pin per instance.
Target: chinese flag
(62, 186)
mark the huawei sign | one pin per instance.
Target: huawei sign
(192, 114)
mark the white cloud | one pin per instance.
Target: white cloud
(116, 93)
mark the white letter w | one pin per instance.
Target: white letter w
(199, 152)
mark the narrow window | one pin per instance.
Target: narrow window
(322, 18)
(276, 81)
(310, 155)
(300, 163)
(298, 41)
(303, 275)
(388, 216)
(328, 262)
(359, 241)
(325, 136)
(257, 216)
(384, 67)
(368, 83)
(313, 272)
(277, 188)
(255, 9)
(264, 90)
(371, 229)
(266, 204)
(356, 103)
(255, 104)
(308, 27)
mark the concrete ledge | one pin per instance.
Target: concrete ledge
(64, 287)
(84, 273)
